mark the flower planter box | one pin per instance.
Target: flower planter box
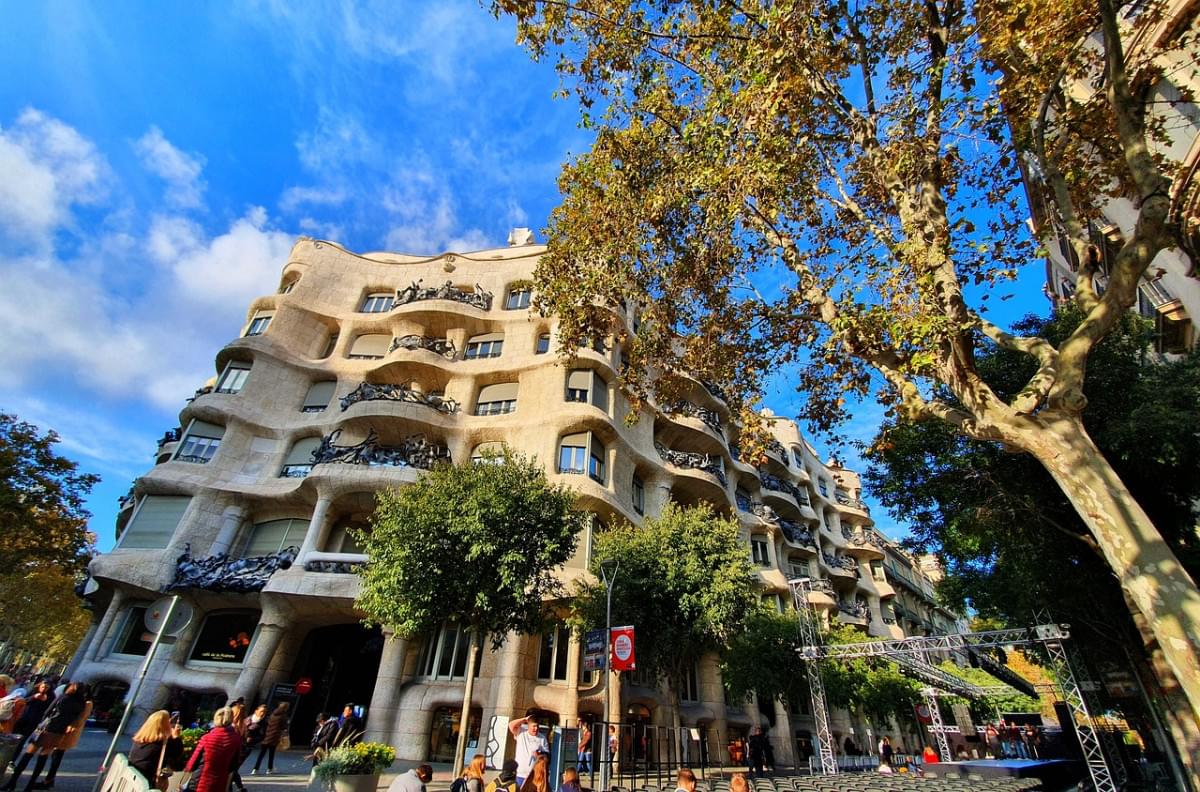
(345, 783)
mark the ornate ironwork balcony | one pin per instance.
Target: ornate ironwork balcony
(439, 346)
(222, 573)
(369, 391)
(201, 391)
(338, 567)
(416, 451)
(856, 610)
(170, 436)
(415, 292)
(854, 503)
(861, 538)
(888, 620)
(775, 484)
(822, 586)
(796, 533)
(709, 417)
(693, 460)
(715, 390)
(764, 512)
(775, 447)
(840, 562)
(295, 471)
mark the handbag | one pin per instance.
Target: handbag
(162, 779)
(285, 742)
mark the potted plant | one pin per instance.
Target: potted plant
(354, 768)
(190, 738)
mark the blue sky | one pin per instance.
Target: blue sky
(158, 160)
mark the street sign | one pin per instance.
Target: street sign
(156, 613)
(593, 650)
(304, 686)
(622, 649)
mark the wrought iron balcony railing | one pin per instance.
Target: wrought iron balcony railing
(854, 503)
(693, 460)
(840, 562)
(170, 436)
(857, 610)
(439, 346)
(369, 391)
(416, 451)
(861, 538)
(775, 484)
(709, 417)
(796, 533)
(415, 292)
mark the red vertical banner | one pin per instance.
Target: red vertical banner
(621, 649)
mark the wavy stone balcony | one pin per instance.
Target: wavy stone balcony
(416, 451)
(840, 564)
(794, 532)
(691, 410)
(337, 563)
(691, 460)
(772, 483)
(438, 346)
(415, 292)
(851, 503)
(853, 612)
(864, 542)
(369, 391)
(821, 593)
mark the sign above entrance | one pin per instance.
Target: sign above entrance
(622, 649)
(304, 686)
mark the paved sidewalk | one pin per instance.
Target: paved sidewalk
(79, 769)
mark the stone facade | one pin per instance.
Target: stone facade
(360, 371)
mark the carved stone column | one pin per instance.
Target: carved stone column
(568, 715)
(231, 522)
(385, 700)
(318, 530)
(257, 661)
(97, 649)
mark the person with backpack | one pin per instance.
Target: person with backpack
(507, 780)
(471, 778)
(570, 781)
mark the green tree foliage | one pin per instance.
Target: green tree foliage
(685, 582)
(42, 516)
(476, 543)
(1010, 540)
(47, 545)
(875, 686)
(991, 707)
(832, 189)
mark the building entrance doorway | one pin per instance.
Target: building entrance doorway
(342, 661)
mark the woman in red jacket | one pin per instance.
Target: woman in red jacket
(215, 756)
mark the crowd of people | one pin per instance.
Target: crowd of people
(44, 721)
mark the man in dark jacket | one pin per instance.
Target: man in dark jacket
(351, 729)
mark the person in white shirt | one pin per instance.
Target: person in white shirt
(530, 741)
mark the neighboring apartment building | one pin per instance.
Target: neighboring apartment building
(361, 371)
(1168, 294)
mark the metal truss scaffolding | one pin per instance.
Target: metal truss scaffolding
(911, 655)
(810, 635)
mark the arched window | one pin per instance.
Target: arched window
(492, 453)
(588, 387)
(543, 344)
(378, 302)
(318, 396)
(259, 324)
(233, 378)
(518, 297)
(497, 399)
(299, 461)
(201, 442)
(371, 346)
(582, 453)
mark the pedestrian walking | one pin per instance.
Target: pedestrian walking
(157, 747)
(277, 726)
(757, 753)
(322, 740)
(473, 773)
(34, 711)
(60, 719)
(69, 742)
(584, 765)
(215, 755)
(885, 750)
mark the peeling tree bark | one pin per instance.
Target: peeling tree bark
(1150, 575)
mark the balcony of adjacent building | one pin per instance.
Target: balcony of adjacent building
(851, 503)
(853, 611)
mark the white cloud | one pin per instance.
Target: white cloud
(180, 171)
(45, 168)
(295, 197)
(235, 267)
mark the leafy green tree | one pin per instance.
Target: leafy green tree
(685, 582)
(763, 659)
(42, 516)
(476, 544)
(834, 188)
(40, 606)
(1011, 542)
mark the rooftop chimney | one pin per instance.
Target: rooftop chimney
(520, 236)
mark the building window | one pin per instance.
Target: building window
(273, 536)
(552, 661)
(518, 298)
(288, 285)
(445, 655)
(225, 637)
(690, 690)
(596, 463)
(485, 346)
(639, 496)
(797, 458)
(758, 551)
(318, 396)
(129, 639)
(498, 399)
(154, 522)
(259, 324)
(233, 378)
(299, 461)
(330, 344)
(742, 499)
(201, 442)
(543, 344)
(491, 453)
(572, 453)
(823, 487)
(378, 302)
(587, 387)
(371, 346)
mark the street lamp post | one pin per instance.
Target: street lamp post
(608, 573)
